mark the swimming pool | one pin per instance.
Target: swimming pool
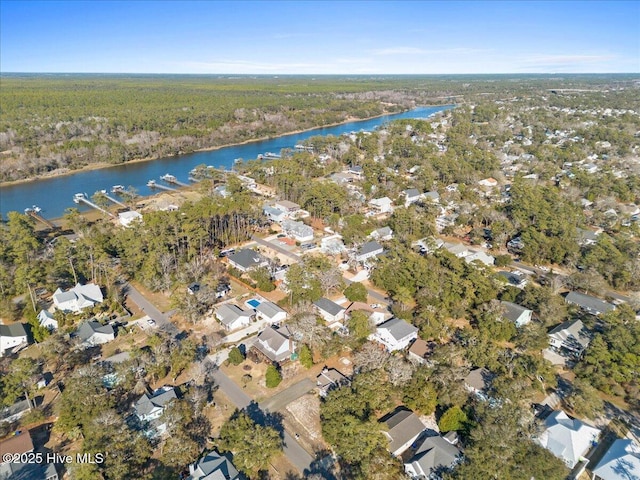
(253, 303)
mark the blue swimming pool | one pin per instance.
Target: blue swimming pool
(253, 302)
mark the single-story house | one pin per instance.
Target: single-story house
(567, 438)
(515, 279)
(355, 170)
(571, 336)
(233, 317)
(516, 313)
(587, 238)
(329, 310)
(271, 313)
(376, 315)
(12, 336)
(77, 298)
(297, 230)
(369, 250)
(129, 217)
(433, 196)
(395, 334)
(213, 466)
(274, 344)
(457, 249)
(478, 382)
(420, 350)
(403, 428)
(246, 259)
(222, 290)
(589, 304)
(382, 205)
(93, 333)
(47, 320)
(15, 412)
(274, 214)
(330, 378)
(433, 455)
(286, 206)
(621, 462)
(150, 407)
(332, 245)
(412, 195)
(18, 444)
(384, 233)
(479, 256)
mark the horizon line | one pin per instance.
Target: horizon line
(316, 74)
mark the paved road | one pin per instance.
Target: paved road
(162, 319)
(285, 397)
(297, 455)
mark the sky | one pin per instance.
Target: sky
(320, 37)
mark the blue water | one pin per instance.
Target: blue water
(55, 195)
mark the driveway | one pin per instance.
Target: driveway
(285, 397)
(276, 247)
(162, 319)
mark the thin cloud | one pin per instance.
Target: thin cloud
(566, 59)
(424, 51)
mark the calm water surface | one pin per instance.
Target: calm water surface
(55, 195)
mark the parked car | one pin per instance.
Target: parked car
(151, 322)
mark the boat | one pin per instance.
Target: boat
(78, 197)
(151, 183)
(117, 189)
(271, 155)
(167, 177)
(34, 209)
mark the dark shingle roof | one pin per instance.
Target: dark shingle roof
(587, 302)
(13, 330)
(369, 247)
(328, 306)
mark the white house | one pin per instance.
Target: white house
(571, 336)
(150, 407)
(328, 379)
(384, 233)
(246, 259)
(403, 428)
(77, 298)
(297, 230)
(129, 217)
(516, 313)
(46, 320)
(287, 206)
(621, 462)
(395, 334)
(92, 333)
(12, 336)
(567, 438)
(368, 250)
(480, 256)
(457, 249)
(382, 205)
(412, 195)
(271, 313)
(233, 317)
(274, 214)
(213, 466)
(274, 345)
(330, 311)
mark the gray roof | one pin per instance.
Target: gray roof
(369, 247)
(229, 313)
(13, 330)
(511, 277)
(27, 471)
(383, 231)
(590, 304)
(88, 329)
(433, 454)
(214, 467)
(15, 409)
(432, 195)
(479, 379)
(160, 398)
(330, 376)
(403, 426)
(246, 258)
(274, 339)
(411, 192)
(272, 211)
(398, 328)
(572, 333)
(513, 311)
(269, 309)
(328, 306)
(297, 228)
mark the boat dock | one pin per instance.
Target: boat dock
(154, 184)
(35, 213)
(114, 200)
(171, 179)
(82, 198)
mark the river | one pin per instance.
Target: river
(54, 195)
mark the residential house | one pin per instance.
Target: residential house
(222, 190)
(515, 279)
(433, 456)
(356, 170)
(271, 313)
(15, 412)
(12, 337)
(332, 245)
(479, 382)
(570, 336)
(330, 378)
(128, 218)
(18, 444)
(150, 407)
(274, 214)
(368, 250)
(589, 304)
(587, 238)
(233, 317)
(286, 206)
(567, 438)
(488, 182)
(432, 196)
(193, 288)
(297, 230)
(381, 205)
(47, 320)
(412, 195)
(92, 333)
(480, 256)
(516, 313)
(331, 312)
(246, 259)
(222, 290)
(382, 234)
(395, 334)
(420, 350)
(403, 428)
(274, 344)
(77, 298)
(376, 315)
(457, 249)
(213, 466)
(621, 462)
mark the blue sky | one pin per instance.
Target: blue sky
(331, 37)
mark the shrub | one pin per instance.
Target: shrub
(235, 356)
(273, 377)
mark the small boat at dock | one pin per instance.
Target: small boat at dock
(167, 177)
(79, 197)
(117, 189)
